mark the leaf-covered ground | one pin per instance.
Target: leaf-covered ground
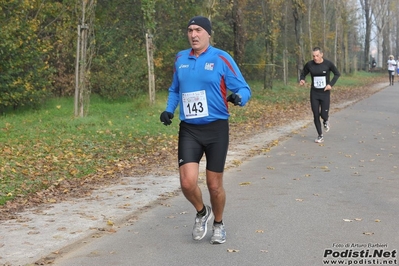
(158, 155)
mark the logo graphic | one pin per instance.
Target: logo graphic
(209, 66)
(360, 254)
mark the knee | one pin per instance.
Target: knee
(188, 184)
(215, 188)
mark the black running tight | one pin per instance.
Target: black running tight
(320, 104)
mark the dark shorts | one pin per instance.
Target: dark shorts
(211, 139)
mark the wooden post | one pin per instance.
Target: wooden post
(151, 75)
(76, 104)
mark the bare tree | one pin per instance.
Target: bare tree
(298, 12)
(367, 16)
(396, 32)
(84, 55)
(148, 8)
(324, 25)
(271, 10)
(239, 31)
(285, 52)
(380, 13)
(310, 24)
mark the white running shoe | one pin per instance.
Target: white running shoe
(326, 126)
(219, 234)
(201, 224)
(319, 139)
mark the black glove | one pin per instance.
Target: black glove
(234, 98)
(166, 118)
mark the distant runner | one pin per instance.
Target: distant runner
(320, 69)
(391, 63)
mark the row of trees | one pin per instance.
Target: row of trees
(269, 39)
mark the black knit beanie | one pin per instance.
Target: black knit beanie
(202, 22)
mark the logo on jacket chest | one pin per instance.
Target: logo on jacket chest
(209, 66)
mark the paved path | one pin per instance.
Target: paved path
(300, 204)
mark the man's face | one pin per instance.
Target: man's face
(317, 57)
(198, 38)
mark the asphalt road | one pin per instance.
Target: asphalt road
(300, 204)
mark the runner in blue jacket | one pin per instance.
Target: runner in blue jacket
(202, 77)
(200, 84)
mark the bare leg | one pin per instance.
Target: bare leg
(189, 184)
(217, 193)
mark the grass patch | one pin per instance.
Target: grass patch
(40, 148)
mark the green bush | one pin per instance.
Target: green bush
(25, 73)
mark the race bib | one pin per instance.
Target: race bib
(319, 82)
(195, 104)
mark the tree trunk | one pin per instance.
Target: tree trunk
(397, 29)
(239, 31)
(148, 7)
(76, 101)
(310, 25)
(151, 74)
(324, 25)
(367, 16)
(285, 52)
(298, 14)
(84, 54)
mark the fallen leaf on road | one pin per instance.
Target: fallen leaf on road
(259, 231)
(245, 183)
(232, 250)
(377, 220)
(347, 220)
(368, 233)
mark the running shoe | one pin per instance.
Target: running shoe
(326, 126)
(319, 139)
(201, 224)
(219, 234)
